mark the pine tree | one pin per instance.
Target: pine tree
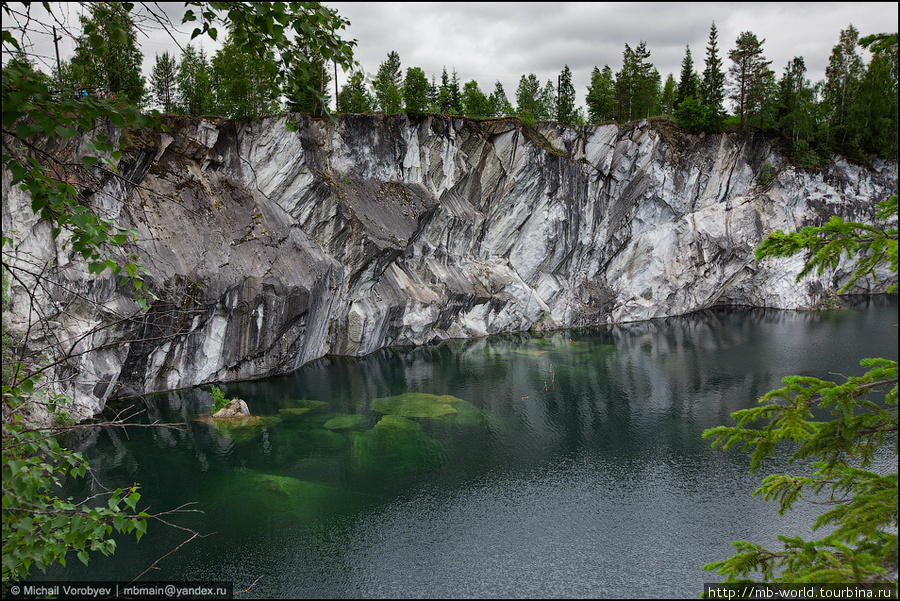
(637, 84)
(626, 82)
(646, 85)
(750, 74)
(843, 75)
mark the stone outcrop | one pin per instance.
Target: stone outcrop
(269, 248)
(235, 408)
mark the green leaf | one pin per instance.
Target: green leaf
(66, 132)
(26, 130)
(89, 162)
(140, 527)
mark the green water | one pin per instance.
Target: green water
(568, 464)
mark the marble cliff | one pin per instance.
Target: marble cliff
(269, 248)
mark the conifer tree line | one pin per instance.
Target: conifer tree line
(852, 112)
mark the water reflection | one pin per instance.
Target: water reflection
(584, 474)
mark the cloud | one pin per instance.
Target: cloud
(503, 41)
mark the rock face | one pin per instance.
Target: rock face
(234, 408)
(269, 248)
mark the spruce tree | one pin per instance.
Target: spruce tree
(434, 93)
(878, 96)
(795, 109)
(443, 98)
(687, 83)
(668, 96)
(455, 96)
(565, 105)
(712, 85)
(548, 101)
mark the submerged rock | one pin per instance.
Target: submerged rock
(444, 408)
(416, 404)
(345, 422)
(253, 497)
(396, 444)
(293, 412)
(315, 407)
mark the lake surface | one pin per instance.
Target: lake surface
(573, 465)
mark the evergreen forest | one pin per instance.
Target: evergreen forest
(852, 112)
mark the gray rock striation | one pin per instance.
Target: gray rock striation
(269, 248)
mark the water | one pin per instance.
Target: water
(575, 468)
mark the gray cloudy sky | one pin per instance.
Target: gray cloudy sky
(502, 41)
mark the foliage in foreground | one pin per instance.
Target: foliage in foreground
(39, 526)
(861, 520)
